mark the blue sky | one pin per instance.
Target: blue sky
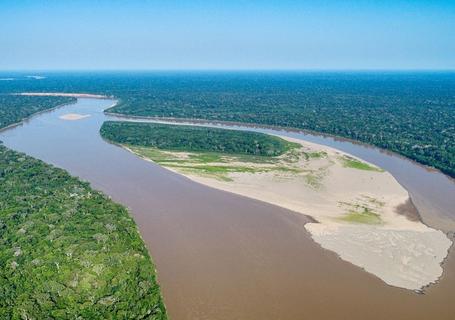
(169, 35)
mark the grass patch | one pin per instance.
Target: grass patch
(367, 216)
(315, 155)
(349, 162)
(286, 169)
(218, 169)
(294, 155)
(218, 175)
(213, 165)
(254, 159)
(154, 154)
(221, 172)
(206, 157)
(373, 201)
(313, 180)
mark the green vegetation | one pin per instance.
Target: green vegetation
(193, 138)
(314, 179)
(215, 171)
(366, 216)
(14, 109)
(210, 152)
(212, 165)
(374, 202)
(66, 251)
(350, 162)
(205, 157)
(316, 155)
(412, 113)
(362, 211)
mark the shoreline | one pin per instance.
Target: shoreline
(56, 94)
(310, 218)
(63, 94)
(233, 123)
(35, 114)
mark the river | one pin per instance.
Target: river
(223, 256)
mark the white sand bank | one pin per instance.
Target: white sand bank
(74, 116)
(405, 257)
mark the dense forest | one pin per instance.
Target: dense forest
(193, 138)
(15, 108)
(410, 113)
(67, 251)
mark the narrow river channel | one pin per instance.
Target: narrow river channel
(223, 256)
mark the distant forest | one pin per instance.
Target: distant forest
(412, 114)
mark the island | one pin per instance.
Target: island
(359, 210)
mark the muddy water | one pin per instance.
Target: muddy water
(223, 256)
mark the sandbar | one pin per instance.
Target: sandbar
(359, 210)
(74, 116)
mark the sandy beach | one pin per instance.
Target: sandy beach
(74, 116)
(361, 212)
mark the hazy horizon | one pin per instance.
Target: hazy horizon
(236, 36)
(28, 72)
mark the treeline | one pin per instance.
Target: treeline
(15, 108)
(410, 113)
(193, 138)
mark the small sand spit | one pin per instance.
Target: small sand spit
(74, 116)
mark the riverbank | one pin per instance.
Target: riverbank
(62, 94)
(65, 244)
(29, 112)
(255, 126)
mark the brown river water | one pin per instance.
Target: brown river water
(223, 256)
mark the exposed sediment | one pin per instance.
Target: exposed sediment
(363, 214)
(74, 116)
